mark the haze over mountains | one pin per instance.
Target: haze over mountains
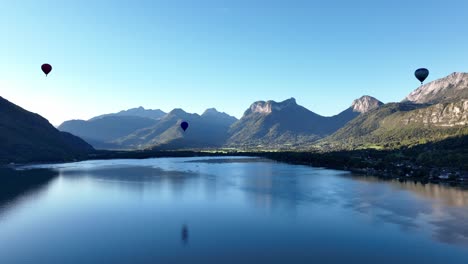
(102, 131)
(138, 112)
(132, 131)
(206, 130)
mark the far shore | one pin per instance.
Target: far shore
(371, 163)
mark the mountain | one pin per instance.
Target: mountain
(219, 117)
(432, 112)
(452, 87)
(28, 137)
(100, 132)
(365, 104)
(402, 124)
(269, 123)
(359, 106)
(264, 124)
(138, 112)
(286, 123)
(131, 130)
(208, 130)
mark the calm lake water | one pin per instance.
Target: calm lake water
(228, 210)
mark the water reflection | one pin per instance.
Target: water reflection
(133, 177)
(453, 196)
(284, 187)
(237, 209)
(412, 205)
(224, 160)
(16, 186)
(184, 234)
(140, 174)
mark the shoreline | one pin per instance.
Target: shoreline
(402, 171)
(368, 163)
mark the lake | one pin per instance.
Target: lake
(227, 210)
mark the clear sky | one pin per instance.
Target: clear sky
(113, 55)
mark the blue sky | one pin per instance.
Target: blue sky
(113, 55)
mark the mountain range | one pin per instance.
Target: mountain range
(138, 112)
(433, 112)
(206, 130)
(272, 124)
(103, 131)
(132, 131)
(264, 124)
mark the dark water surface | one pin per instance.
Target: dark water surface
(227, 210)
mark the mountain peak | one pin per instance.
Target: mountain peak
(270, 105)
(457, 74)
(365, 103)
(291, 100)
(177, 111)
(213, 114)
(453, 86)
(137, 111)
(132, 110)
(211, 111)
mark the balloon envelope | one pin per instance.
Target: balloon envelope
(421, 74)
(184, 125)
(46, 68)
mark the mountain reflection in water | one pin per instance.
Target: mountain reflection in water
(229, 210)
(404, 203)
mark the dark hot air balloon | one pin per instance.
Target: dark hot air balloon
(184, 125)
(46, 68)
(421, 74)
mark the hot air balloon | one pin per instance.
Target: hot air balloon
(184, 125)
(46, 68)
(421, 74)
